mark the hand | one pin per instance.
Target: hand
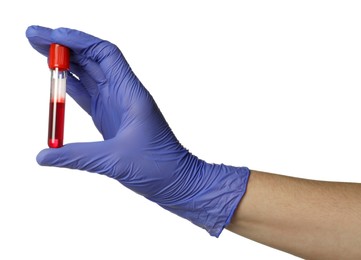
(139, 149)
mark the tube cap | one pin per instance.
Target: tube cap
(58, 57)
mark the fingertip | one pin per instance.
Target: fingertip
(39, 38)
(41, 157)
(48, 156)
(30, 30)
(36, 30)
(81, 156)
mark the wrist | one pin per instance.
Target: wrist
(209, 194)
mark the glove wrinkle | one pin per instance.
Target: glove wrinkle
(139, 148)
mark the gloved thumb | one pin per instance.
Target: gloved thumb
(92, 157)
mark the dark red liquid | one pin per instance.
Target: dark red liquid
(56, 124)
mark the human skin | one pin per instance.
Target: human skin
(307, 218)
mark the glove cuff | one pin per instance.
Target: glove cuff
(216, 199)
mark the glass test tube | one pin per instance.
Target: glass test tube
(59, 64)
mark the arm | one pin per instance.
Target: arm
(307, 218)
(140, 151)
(139, 148)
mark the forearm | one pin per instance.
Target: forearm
(310, 219)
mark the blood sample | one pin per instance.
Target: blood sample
(58, 62)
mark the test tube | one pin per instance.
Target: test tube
(58, 62)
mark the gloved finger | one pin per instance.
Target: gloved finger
(79, 93)
(92, 157)
(89, 73)
(39, 38)
(109, 58)
(106, 65)
(88, 82)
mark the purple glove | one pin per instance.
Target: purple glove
(139, 148)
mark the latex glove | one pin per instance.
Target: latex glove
(139, 149)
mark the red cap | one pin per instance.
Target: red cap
(58, 57)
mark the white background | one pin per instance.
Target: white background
(272, 85)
